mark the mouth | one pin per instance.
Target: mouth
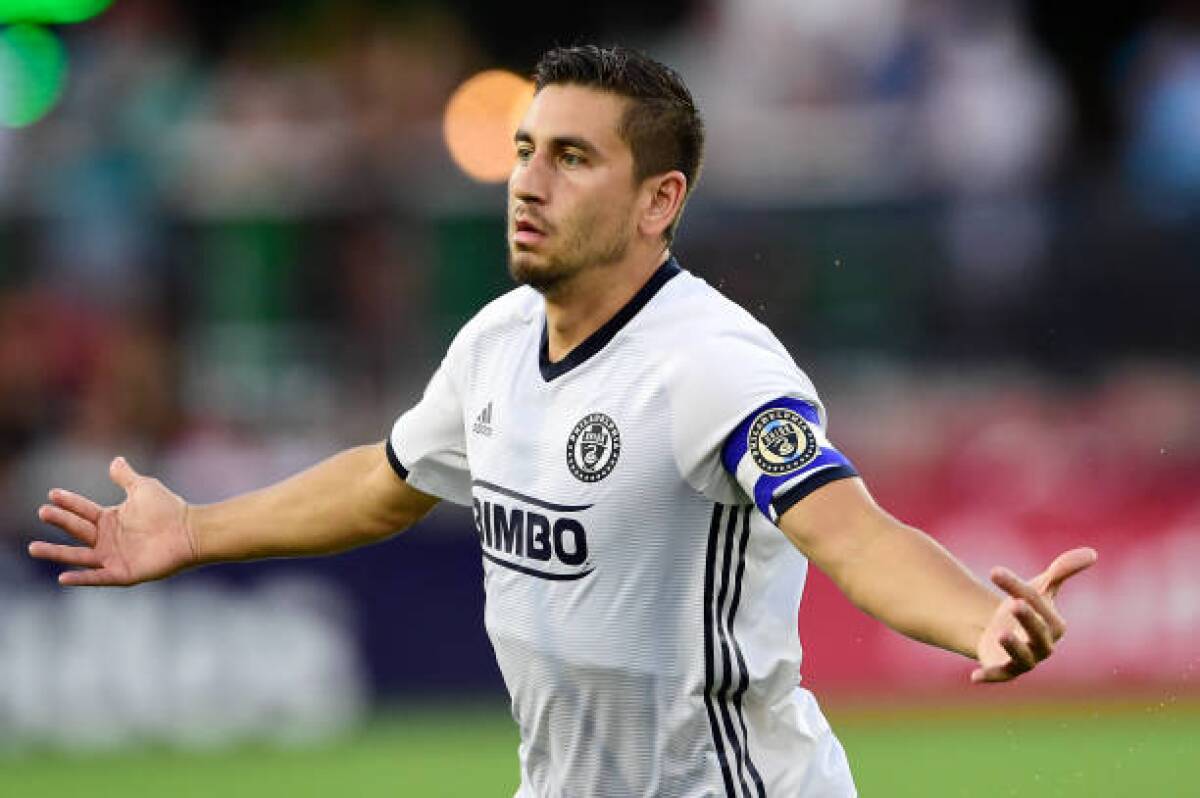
(527, 233)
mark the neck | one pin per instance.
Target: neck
(581, 306)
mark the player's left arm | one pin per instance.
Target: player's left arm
(904, 578)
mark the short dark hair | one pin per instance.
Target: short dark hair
(661, 125)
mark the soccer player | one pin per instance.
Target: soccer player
(650, 475)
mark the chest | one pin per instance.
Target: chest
(598, 428)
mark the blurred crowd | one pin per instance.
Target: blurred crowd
(225, 263)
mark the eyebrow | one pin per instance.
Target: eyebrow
(560, 142)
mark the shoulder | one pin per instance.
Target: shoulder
(697, 323)
(518, 307)
(717, 362)
(507, 313)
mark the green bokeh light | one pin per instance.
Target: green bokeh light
(46, 11)
(33, 70)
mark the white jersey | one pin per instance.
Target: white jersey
(641, 601)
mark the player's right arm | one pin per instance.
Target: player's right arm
(351, 499)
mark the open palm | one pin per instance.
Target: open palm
(143, 538)
(1026, 625)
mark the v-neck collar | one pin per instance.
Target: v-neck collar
(597, 340)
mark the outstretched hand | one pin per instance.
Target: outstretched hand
(143, 538)
(1026, 625)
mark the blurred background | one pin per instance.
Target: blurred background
(235, 238)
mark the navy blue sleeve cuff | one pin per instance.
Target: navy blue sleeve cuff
(790, 497)
(395, 461)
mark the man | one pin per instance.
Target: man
(632, 445)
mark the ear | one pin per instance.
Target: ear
(663, 199)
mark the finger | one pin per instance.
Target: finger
(1041, 641)
(80, 556)
(82, 530)
(1018, 588)
(1006, 671)
(996, 673)
(1065, 566)
(91, 577)
(122, 473)
(1022, 658)
(80, 505)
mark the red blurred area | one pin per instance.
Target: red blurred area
(1015, 477)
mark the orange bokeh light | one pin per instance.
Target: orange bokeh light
(480, 120)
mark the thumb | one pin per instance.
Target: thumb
(1064, 567)
(122, 473)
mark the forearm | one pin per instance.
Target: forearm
(904, 578)
(345, 501)
(890, 570)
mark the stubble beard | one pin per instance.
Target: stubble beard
(578, 251)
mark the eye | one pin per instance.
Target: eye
(524, 152)
(571, 159)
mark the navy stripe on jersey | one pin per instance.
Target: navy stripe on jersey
(737, 650)
(720, 617)
(723, 634)
(395, 461)
(709, 652)
(597, 340)
(823, 467)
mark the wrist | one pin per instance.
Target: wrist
(981, 623)
(191, 533)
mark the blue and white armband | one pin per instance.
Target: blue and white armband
(779, 455)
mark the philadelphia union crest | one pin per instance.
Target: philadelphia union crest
(780, 441)
(593, 448)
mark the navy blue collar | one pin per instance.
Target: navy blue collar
(600, 338)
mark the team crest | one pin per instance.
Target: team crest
(593, 448)
(780, 441)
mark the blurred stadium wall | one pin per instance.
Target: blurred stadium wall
(234, 241)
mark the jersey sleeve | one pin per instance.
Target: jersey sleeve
(747, 422)
(779, 454)
(427, 445)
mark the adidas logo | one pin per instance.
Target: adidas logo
(483, 421)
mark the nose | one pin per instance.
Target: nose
(528, 181)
